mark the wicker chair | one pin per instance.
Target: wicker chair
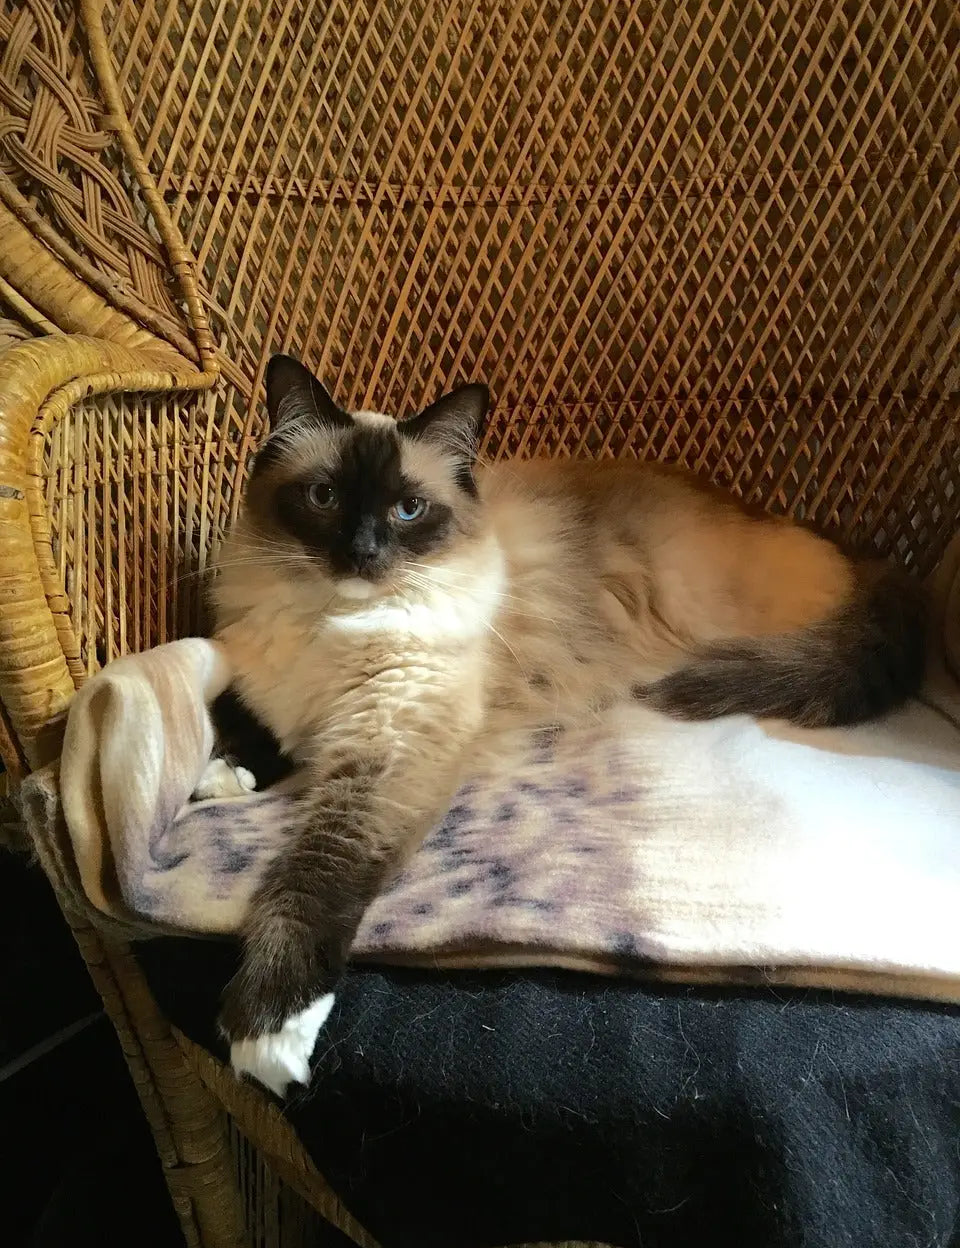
(723, 232)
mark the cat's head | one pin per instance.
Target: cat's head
(362, 495)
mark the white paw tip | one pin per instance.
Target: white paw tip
(245, 778)
(221, 780)
(283, 1056)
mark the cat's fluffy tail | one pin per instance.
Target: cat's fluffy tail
(865, 660)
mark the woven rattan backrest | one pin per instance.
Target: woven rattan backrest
(720, 231)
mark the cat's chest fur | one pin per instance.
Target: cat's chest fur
(306, 664)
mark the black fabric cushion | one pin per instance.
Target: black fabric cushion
(474, 1109)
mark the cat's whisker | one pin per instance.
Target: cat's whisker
(458, 578)
(276, 552)
(467, 581)
(268, 544)
(513, 652)
(425, 582)
(258, 563)
(211, 569)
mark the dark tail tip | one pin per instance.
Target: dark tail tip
(885, 639)
(867, 660)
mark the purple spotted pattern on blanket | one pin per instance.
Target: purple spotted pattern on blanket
(539, 850)
(535, 845)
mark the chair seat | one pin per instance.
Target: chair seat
(483, 1108)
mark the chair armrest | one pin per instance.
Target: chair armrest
(39, 657)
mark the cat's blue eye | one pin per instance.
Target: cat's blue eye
(321, 496)
(410, 509)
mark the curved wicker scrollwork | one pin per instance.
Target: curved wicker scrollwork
(60, 159)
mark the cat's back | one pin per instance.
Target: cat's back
(592, 498)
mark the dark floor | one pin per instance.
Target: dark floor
(79, 1163)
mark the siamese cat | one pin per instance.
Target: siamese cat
(387, 603)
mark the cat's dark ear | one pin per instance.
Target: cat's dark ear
(294, 393)
(454, 422)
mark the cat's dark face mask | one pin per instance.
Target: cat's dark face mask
(364, 496)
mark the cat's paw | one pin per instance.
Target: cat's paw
(283, 1057)
(222, 780)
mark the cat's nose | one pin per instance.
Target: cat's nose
(364, 547)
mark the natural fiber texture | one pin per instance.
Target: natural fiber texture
(35, 679)
(137, 489)
(63, 167)
(266, 1127)
(714, 231)
(717, 231)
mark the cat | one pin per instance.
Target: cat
(389, 605)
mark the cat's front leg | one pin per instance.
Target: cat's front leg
(366, 810)
(302, 921)
(280, 998)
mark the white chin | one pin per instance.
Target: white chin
(355, 589)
